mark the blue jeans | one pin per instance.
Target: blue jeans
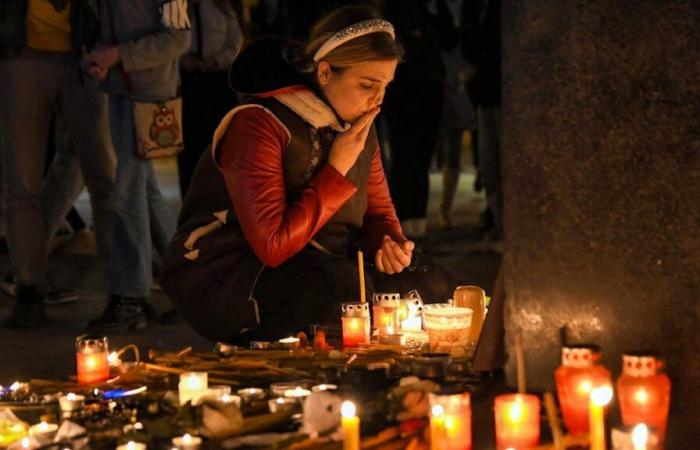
(143, 220)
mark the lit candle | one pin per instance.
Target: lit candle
(91, 354)
(600, 397)
(193, 385)
(290, 343)
(288, 405)
(517, 421)
(228, 398)
(350, 425)
(411, 314)
(131, 445)
(437, 427)
(324, 387)
(43, 431)
(113, 359)
(71, 403)
(297, 392)
(356, 329)
(450, 422)
(187, 442)
(385, 313)
(640, 437)
(250, 394)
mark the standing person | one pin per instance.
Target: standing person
(206, 97)
(41, 42)
(294, 184)
(138, 56)
(414, 106)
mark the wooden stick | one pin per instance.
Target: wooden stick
(361, 269)
(520, 363)
(553, 420)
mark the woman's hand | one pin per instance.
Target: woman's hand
(393, 257)
(348, 145)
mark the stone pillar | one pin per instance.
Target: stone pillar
(601, 161)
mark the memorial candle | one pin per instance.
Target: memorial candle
(451, 428)
(356, 327)
(91, 354)
(385, 313)
(517, 421)
(600, 397)
(350, 425)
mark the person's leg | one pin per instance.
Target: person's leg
(450, 173)
(490, 164)
(161, 217)
(85, 115)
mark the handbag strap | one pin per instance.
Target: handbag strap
(125, 76)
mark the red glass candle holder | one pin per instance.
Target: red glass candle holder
(452, 427)
(356, 329)
(91, 354)
(385, 313)
(578, 374)
(644, 392)
(517, 421)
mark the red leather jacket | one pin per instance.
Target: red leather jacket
(250, 158)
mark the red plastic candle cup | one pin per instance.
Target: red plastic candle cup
(356, 328)
(578, 374)
(91, 354)
(644, 392)
(517, 421)
(451, 421)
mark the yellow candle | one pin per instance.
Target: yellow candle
(351, 426)
(600, 397)
(437, 427)
(640, 437)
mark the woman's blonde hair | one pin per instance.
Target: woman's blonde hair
(378, 46)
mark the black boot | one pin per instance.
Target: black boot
(122, 313)
(29, 310)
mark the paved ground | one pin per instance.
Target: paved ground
(49, 352)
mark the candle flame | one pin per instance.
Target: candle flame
(515, 412)
(585, 387)
(642, 396)
(25, 443)
(90, 362)
(43, 426)
(71, 396)
(187, 439)
(131, 445)
(14, 386)
(113, 359)
(640, 436)
(437, 410)
(602, 395)
(347, 409)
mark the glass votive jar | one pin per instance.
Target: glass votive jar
(474, 298)
(71, 404)
(356, 328)
(92, 358)
(644, 392)
(448, 330)
(517, 421)
(578, 374)
(385, 313)
(451, 421)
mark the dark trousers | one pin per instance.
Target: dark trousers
(206, 98)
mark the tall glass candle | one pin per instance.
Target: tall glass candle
(474, 298)
(517, 421)
(193, 385)
(356, 328)
(91, 355)
(579, 372)
(600, 397)
(385, 313)
(350, 425)
(452, 428)
(644, 392)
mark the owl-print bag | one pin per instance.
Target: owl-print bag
(157, 125)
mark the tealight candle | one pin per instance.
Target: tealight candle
(187, 442)
(228, 398)
(251, 394)
(91, 354)
(193, 385)
(324, 387)
(350, 425)
(131, 445)
(280, 388)
(43, 431)
(600, 397)
(355, 319)
(71, 403)
(517, 421)
(297, 392)
(290, 343)
(284, 405)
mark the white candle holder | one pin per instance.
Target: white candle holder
(187, 442)
(193, 386)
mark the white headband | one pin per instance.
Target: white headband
(354, 31)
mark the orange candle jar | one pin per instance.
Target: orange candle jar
(517, 421)
(385, 313)
(91, 354)
(356, 329)
(644, 392)
(578, 374)
(451, 422)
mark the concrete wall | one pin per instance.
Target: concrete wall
(601, 162)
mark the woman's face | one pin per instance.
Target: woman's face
(354, 90)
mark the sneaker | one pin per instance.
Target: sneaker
(60, 297)
(122, 313)
(29, 310)
(8, 285)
